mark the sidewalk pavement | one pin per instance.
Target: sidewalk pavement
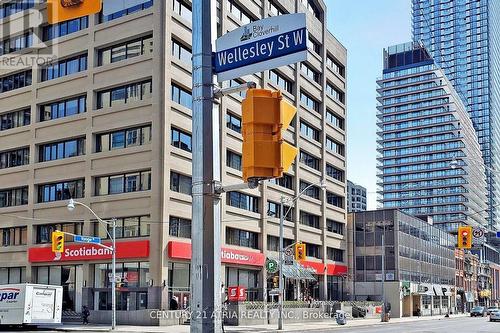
(296, 327)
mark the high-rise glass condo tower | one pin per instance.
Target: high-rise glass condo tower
(463, 37)
(423, 127)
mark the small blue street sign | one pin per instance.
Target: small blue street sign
(498, 234)
(87, 239)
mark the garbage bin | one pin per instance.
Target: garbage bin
(340, 317)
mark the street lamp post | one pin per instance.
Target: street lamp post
(284, 199)
(71, 207)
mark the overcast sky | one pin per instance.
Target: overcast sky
(365, 27)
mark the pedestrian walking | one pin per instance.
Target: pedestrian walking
(86, 315)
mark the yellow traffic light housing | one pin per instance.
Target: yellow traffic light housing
(63, 10)
(265, 117)
(464, 237)
(300, 251)
(57, 241)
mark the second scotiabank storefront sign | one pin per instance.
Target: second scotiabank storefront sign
(84, 252)
(180, 250)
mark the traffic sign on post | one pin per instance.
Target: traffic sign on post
(272, 266)
(264, 44)
(87, 239)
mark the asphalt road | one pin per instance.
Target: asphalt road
(454, 325)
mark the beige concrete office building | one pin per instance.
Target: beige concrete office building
(108, 124)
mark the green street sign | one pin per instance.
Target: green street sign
(272, 266)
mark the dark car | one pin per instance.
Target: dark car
(478, 311)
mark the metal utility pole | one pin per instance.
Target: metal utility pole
(113, 272)
(281, 287)
(205, 235)
(383, 276)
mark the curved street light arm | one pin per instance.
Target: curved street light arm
(284, 199)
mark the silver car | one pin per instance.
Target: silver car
(495, 315)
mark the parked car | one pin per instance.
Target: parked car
(495, 315)
(478, 311)
(491, 308)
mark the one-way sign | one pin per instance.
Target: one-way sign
(87, 239)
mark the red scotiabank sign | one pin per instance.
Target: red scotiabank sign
(236, 294)
(329, 269)
(83, 252)
(180, 250)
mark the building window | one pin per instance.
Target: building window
(335, 93)
(138, 226)
(335, 200)
(180, 139)
(309, 101)
(309, 131)
(127, 50)
(273, 210)
(285, 181)
(233, 122)
(130, 137)
(335, 146)
(335, 227)
(242, 238)
(127, 11)
(126, 227)
(182, 96)
(312, 191)
(243, 201)
(64, 108)
(313, 250)
(181, 52)
(236, 83)
(44, 232)
(273, 243)
(135, 277)
(312, 8)
(335, 65)
(125, 94)
(309, 72)
(180, 183)
(335, 254)
(65, 28)
(183, 9)
(15, 119)
(14, 197)
(233, 160)
(313, 45)
(335, 173)
(12, 275)
(280, 80)
(11, 8)
(179, 227)
(123, 183)
(16, 43)
(309, 219)
(63, 149)
(15, 81)
(239, 12)
(309, 160)
(72, 189)
(248, 279)
(14, 158)
(274, 9)
(335, 120)
(14, 236)
(65, 67)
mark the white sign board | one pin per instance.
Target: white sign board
(265, 44)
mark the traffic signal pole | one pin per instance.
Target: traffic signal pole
(281, 286)
(206, 244)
